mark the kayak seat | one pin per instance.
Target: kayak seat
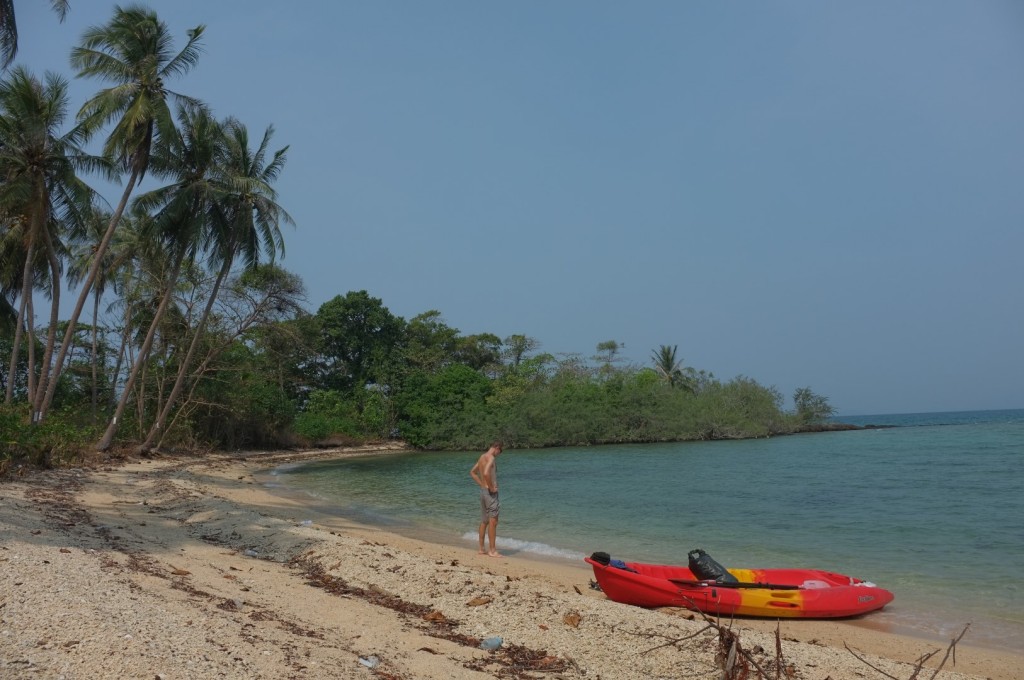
(815, 584)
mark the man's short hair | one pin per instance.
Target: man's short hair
(496, 444)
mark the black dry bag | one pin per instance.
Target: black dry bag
(706, 569)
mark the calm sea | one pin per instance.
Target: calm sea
(930, 506)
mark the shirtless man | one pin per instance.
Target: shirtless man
(485, 474)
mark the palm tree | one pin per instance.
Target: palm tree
(134, 52)
(670, 368)
(180, 212)
(244, 220)
(14, 237)
(41, 186)
(81, 254)
(133, 265)
(9, 28)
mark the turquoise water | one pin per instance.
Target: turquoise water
(931, 507)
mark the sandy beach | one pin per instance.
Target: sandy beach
(189, 567)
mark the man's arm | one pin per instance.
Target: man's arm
(475, 474)
(482, 472)
(488, 475)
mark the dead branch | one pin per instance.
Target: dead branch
(919, 664)
(951, 650)
(670, 641)
(780, 661)
(921, 660)
(867, 663)
(735, 661)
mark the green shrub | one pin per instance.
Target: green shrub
(59, 440)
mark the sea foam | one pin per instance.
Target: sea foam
(516, 545)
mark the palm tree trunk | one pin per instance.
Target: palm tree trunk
(108, 437)
(157, 429)
(30, 338)
(51, 333)
(18, 334)
(26, 294)
(120, 356)
(44, 400)
(95, 378)
(200, 371)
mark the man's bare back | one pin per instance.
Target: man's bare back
(485, 474)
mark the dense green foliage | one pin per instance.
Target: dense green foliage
(198, 339)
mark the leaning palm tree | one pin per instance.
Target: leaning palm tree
(134, 52)
(81, 257)
(41, 185)
(133, 265)
(9, 28)
(180, 213)
(244, 221)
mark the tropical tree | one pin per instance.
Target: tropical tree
(133, 260)
(13, 305)
(9, 28)
(154, 288)
(231, 397)
(481, 352)
(10, 273)
(670, 368)
(243, 219)
(812, 408)
(359, 335)
(666, 364)
(133, 51)
(608, 351)
(181, 212)
(41, 189)
(518, 347)
(430, 343)
(81, 257)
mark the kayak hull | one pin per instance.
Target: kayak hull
(773, 593)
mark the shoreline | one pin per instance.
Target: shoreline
(934, 622)
(189, 567)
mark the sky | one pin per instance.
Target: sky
(815, 194)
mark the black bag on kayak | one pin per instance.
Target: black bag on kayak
(707, 569)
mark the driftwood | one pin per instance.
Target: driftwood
(919, 664)
(737, 663)
(733, 660)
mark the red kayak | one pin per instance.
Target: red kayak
(774, 593)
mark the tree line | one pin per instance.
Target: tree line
(195, 337)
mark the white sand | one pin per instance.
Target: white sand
(188, 568)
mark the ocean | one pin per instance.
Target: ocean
(929, 506)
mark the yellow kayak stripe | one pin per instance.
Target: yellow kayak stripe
(765, 602)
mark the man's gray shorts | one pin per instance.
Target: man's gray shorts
(489, 505)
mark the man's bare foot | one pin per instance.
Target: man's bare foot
(481, 552)
(494, 554)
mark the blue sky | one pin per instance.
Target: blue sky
(821, 194)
